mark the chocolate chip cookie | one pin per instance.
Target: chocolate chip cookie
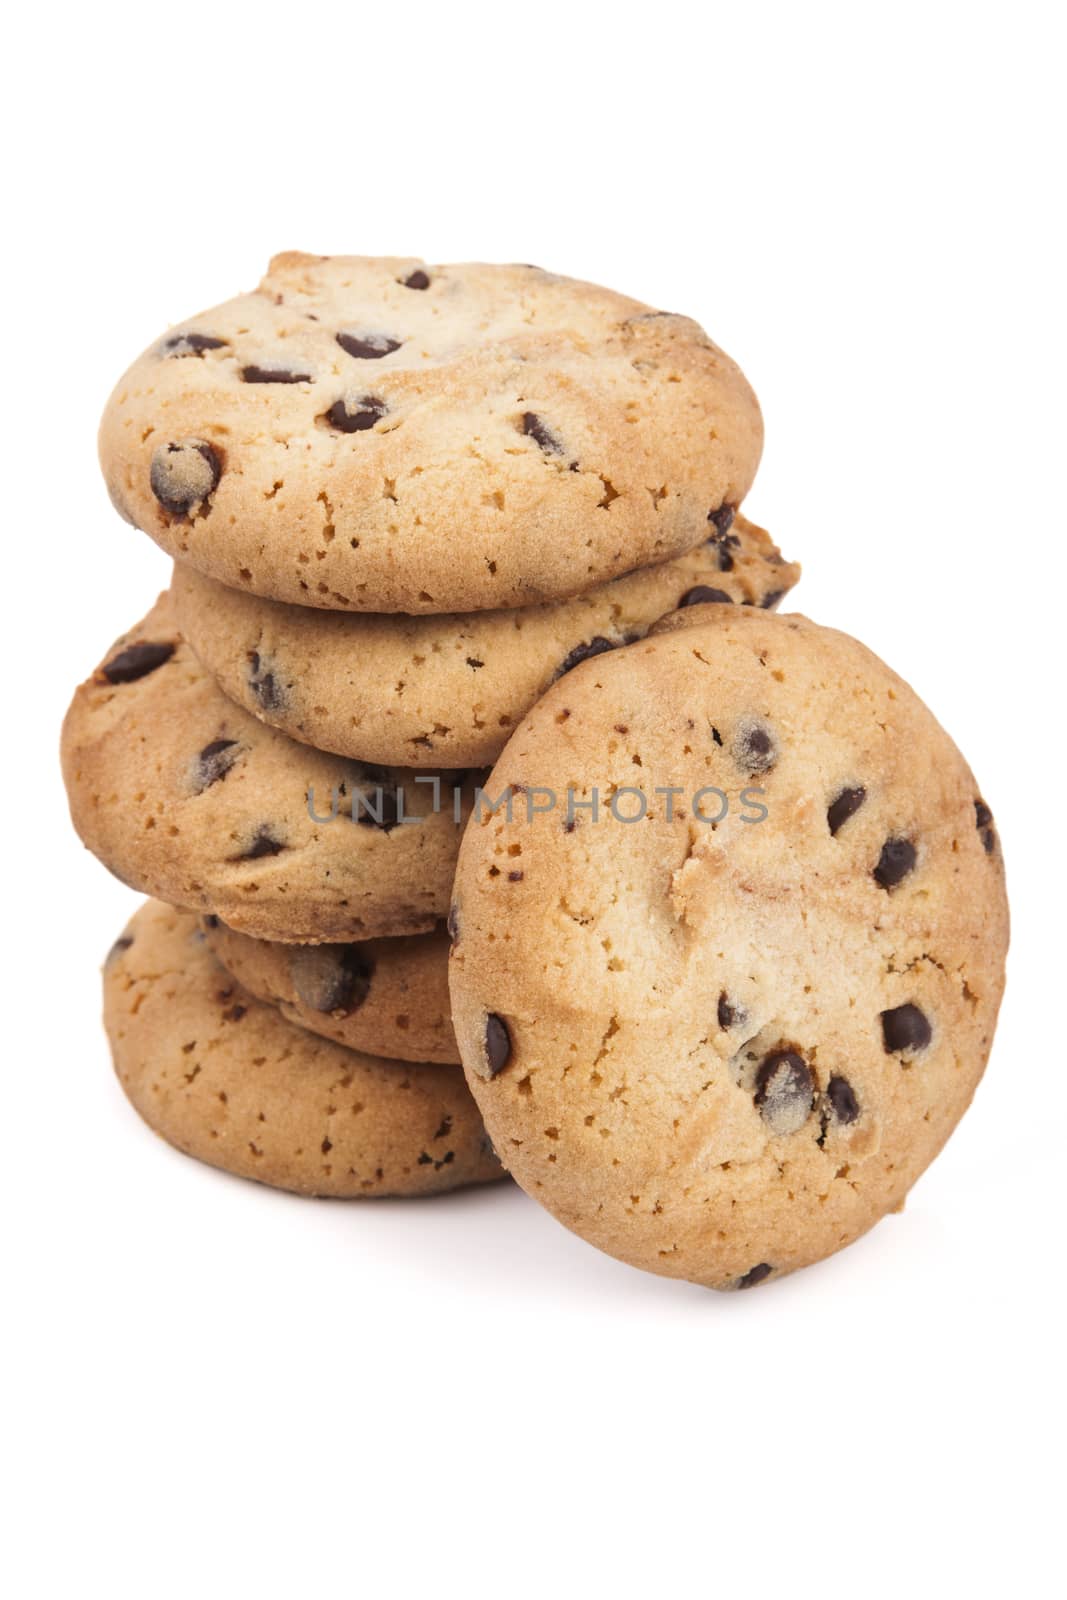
(375, 434)
(386, 996)
(226, 1079)
(447, 690)
(188, 798)
(723, 1002)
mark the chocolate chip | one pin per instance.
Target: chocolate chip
(702, 595)
(264, 684)
(117, 948)
(256, 374)
(264, 843)
(184, 474)
(536, 430)
(497, 1044)
(983, 818)
(137, 661)
(191, 344)
(784, 1091)
(722, 539)
(897, 859)
(368, 346)
(755, 1275)
(754, 746)
(452, 922)
(211, 920)
(417, 280)
(842, 1098)
(213, 763)
(905, 1028)
(771, 599)
(730, 1014)
(597, 646)
(377, 808)
(844, 806)
(357, 416)
(331, 977)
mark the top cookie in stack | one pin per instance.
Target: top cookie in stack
(374, 434)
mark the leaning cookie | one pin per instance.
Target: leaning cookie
(723, 1003)
(224, 1078)
(446, 690)
(186, 797)
(377, 435)
(386, 996)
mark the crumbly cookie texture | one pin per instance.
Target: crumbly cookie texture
(386, 996)
(186, 797)
(375, 434)
(447, 690)
(224, 1078)
(723, 1049)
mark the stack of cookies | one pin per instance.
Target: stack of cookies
(726, 916)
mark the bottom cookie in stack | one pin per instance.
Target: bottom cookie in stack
(226, 1078)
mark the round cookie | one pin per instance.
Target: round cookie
(224, 1078)
(188, 798)
(372, 434)
(386, 996)
(722, 1039)
(446, 690)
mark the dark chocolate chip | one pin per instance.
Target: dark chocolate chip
(183, 474)
(137, 661)
(785, 1091)
(722, 519)
(117, 948)
(358, 416)
(474, 663)
(331, 977)
(755, 1275)
(377, 807)
(597, 646)
(755, 747)
(497, 1044)
(214, 762)
(844, 806)
(897, 859)
(264, 684)
(842, 1098)
(983, 818)
(191, 344)
(730, 1014)
(234, 1014)
(368, 346)
(536, 430)
(256, 374)
(771, 599)
(211, 920)
(417, 280)
(702, 595)
(905, 1028)
(264, 843)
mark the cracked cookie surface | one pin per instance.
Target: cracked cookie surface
(387, 996)
(225, 1078)
(186, 797)
(373, 434)
(721, 1047)
(446, 690)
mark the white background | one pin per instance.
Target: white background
(220, 1390)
